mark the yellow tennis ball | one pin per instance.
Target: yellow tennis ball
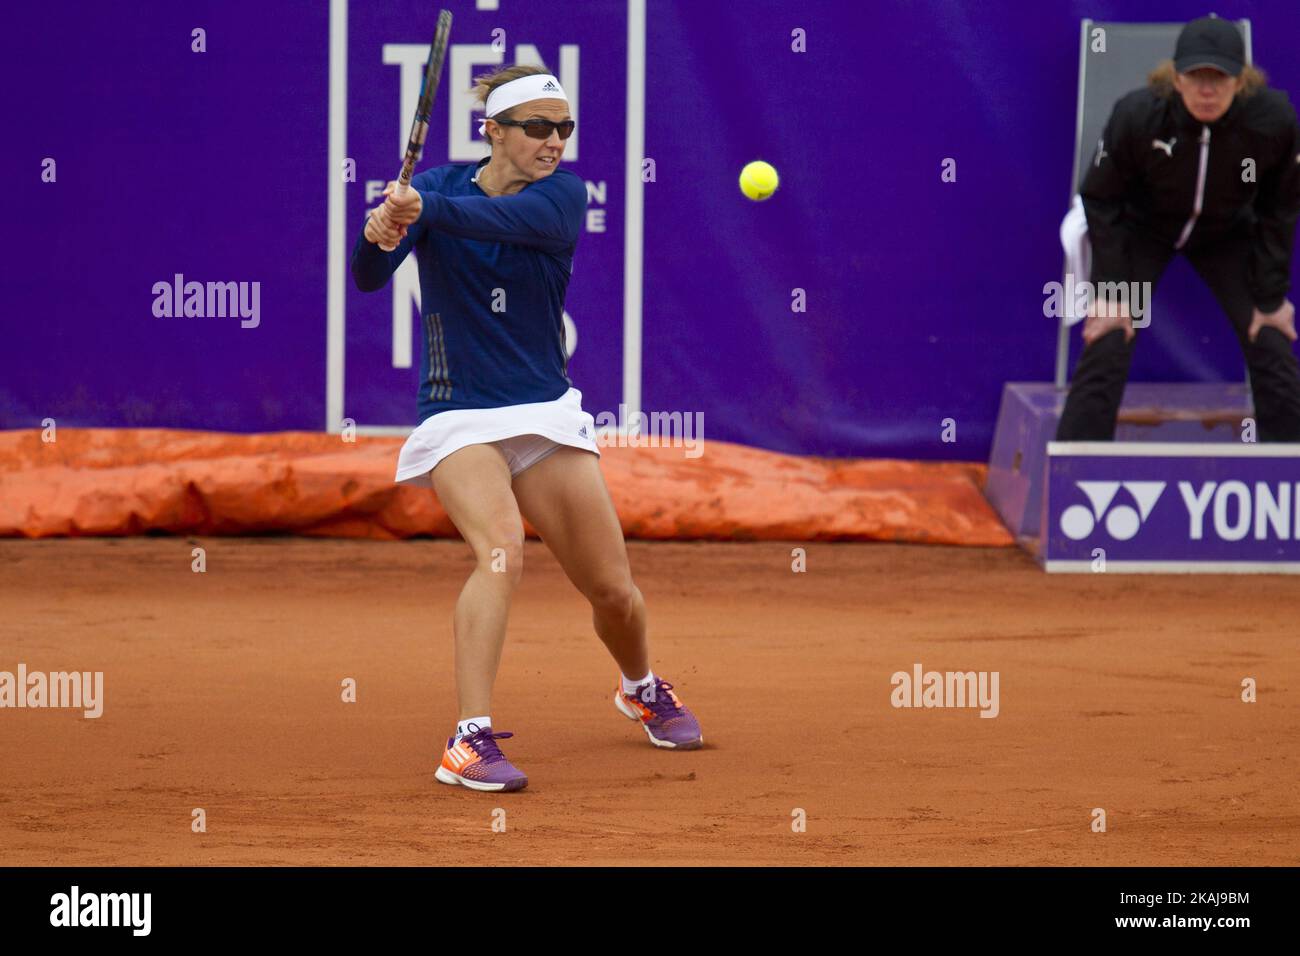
(758, 180)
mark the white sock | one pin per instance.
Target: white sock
(630, 686)
(471, 725)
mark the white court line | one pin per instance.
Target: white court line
(634, 213)
(337, 205)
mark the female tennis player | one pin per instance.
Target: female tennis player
(502, 432)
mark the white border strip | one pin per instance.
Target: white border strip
(337, 205)
(1172, 449)
(1176, 567)
(634, 211)
(1084, 26)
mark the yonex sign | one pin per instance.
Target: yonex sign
(1147, 506)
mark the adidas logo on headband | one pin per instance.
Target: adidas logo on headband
(520, 90)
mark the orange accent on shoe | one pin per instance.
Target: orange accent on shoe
(644, 712)
(458, 758)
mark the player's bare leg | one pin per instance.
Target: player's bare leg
(564, 497)
(473, 485)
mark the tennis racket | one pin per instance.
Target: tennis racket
(428, 89)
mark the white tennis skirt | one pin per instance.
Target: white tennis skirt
(561, 422)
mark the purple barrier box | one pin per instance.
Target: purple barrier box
(1191, 507)
(1151, 411)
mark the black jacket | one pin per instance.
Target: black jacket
(1143, 180)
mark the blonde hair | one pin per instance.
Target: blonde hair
(485, 84)
(1161, 79)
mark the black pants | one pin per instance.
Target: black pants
(1092, 407)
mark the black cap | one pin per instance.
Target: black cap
(1210, 42)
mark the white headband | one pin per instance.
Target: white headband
(539, 86)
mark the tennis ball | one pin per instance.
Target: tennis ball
(758, 180)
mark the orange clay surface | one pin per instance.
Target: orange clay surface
(223, 692)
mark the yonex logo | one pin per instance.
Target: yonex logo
(1122, 521)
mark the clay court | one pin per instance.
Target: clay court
(223, 691)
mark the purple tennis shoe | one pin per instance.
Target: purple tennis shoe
(478, 763)
(664, 718)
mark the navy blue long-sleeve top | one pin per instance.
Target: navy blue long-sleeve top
(493, 276)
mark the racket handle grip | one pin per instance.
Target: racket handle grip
(400, 191)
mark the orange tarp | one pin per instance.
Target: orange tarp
(129, 481)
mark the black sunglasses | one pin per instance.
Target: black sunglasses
(540, 128)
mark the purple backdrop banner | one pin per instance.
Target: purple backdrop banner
(133, 158)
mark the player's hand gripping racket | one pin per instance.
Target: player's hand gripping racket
(428, 89)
